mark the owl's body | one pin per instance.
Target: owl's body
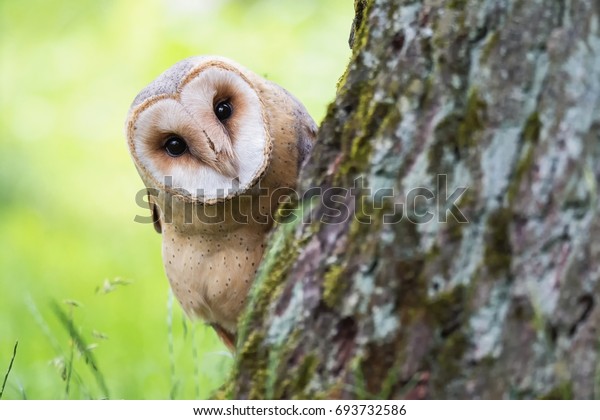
(217, 147)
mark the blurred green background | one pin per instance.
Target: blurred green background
(69, 71)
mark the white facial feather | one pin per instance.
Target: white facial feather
(190, 114)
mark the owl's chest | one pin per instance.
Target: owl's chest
(210, 274)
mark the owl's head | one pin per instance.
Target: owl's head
(199, 131)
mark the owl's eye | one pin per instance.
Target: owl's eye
(223, 110)
(175, 146)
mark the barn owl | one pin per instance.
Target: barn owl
(218, 147)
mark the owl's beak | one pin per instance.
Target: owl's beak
(220, 156)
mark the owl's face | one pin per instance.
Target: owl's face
(200, 131)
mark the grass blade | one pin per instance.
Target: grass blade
(12, 359)
(82, 347)
(43, 325)
(70, 369)
(196, 361)
(170, 343)
(41, 322)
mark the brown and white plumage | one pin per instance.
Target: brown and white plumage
(217, 146)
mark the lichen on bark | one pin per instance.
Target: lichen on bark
(501, 98)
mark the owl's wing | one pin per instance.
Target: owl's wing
(306, 134)
(155, 213)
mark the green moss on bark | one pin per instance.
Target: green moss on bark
(498, 249)
(489, 47)
(564, 391)
(472, 123)
(529, 139)
(332, 287)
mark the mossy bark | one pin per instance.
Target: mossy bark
(499, 97)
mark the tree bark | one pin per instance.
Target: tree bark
(361, 295)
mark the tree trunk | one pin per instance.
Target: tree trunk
(452, 249)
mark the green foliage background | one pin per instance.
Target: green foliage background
(69, 71)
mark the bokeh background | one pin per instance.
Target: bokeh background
(82, 287)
